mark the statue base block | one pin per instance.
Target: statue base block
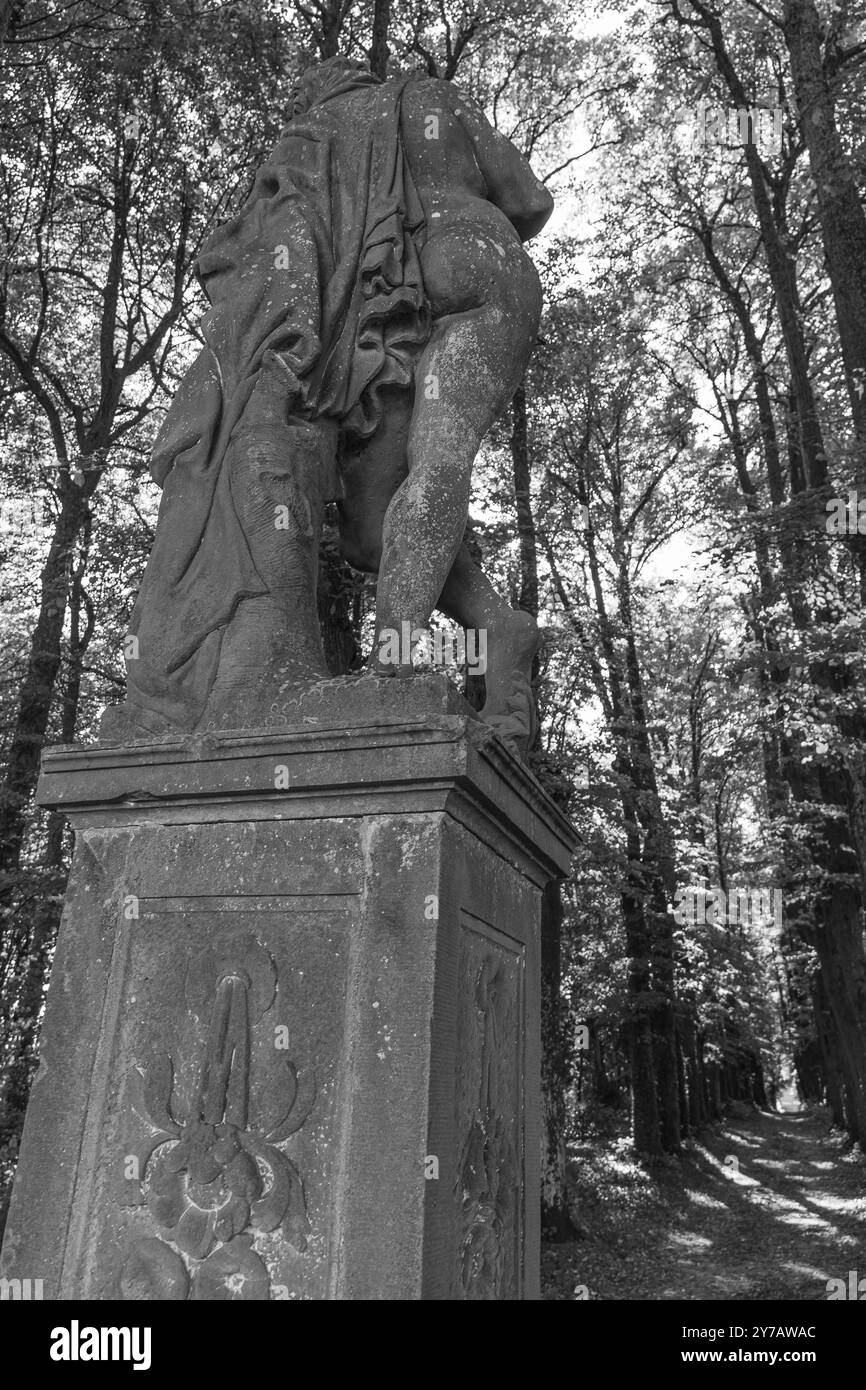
(291, 1047)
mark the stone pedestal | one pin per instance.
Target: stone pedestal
(291, 1047)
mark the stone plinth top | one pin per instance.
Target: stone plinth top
(357, 746)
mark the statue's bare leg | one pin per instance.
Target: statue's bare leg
(512, 640)
(376, 471)
(465, 378)
(372, 473)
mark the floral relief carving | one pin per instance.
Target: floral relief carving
(213, 1177)
(488, 1171)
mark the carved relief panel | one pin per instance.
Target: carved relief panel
(489, 1113)
(215, 1154)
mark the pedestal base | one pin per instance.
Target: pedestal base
(291, 1047)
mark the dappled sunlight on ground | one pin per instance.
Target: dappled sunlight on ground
(703, 1199)
(764, 1206)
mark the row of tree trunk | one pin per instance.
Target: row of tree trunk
(826, 899)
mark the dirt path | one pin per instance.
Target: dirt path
(767, 1206)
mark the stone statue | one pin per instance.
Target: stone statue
(372, 313)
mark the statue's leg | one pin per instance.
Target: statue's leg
(512, 641)
(465, 378)
(373, 469)
(486, 301)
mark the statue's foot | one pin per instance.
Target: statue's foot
(512, 641)
(392, 650)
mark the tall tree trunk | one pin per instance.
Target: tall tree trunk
(379, 41)
(42, 901)
(695, 1081)
(657, 868)
(681, 1084)
(645, 1107)
(843, 222)
(781, 266)
(38, 900)
(838, 942)
(649, 877)
(528, 595)
(37, 690)
(332, 17)
(556, 1223)
(555, 1047)
(829, 1044)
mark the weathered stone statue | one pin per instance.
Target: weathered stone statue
(372, 314)
(291, 1044)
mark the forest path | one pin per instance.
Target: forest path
(763, 1206)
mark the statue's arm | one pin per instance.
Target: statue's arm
(511, 184)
